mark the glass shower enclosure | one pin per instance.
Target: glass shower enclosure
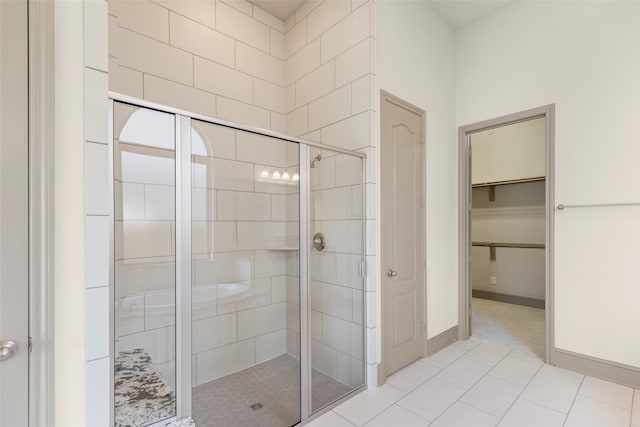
(237, 284)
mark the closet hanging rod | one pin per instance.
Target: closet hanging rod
(510, 245)
(598, 205)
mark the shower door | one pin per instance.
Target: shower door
(336, 230)
(245, 311)
(238, 272)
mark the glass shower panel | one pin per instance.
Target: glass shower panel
(336, 288)
(245, 291)
(144, 277)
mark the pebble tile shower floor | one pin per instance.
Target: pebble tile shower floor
(275, 385)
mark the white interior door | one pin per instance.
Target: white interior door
(402, 234)
(14, 291)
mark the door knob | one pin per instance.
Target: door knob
(7, 349)
(392, 273)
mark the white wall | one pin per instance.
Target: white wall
(582, 56)
(415, 62)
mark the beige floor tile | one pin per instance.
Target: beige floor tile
(588, 412)
(551, 392)
(463, 415)
(562, 374)
(407, 379)
(487, 353)
(517, 368)
(445, 357)
(464, 372)
(524, 413)
(492, 395)
(397, 416)
(466, 345)
(431, 399)
(366, 405)
(608, 392)
(330, 419)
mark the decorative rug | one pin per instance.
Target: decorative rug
(142, 395)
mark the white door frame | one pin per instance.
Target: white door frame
(41, 212)
(464, 217)
(386, 96)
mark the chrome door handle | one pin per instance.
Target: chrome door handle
(7, 349)
(392, 273)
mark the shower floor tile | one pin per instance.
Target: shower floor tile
(266, 395)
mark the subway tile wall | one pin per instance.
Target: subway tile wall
(210, 57)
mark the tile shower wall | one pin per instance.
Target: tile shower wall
(244, 225)
(97, 208)
(221, 59)
(331, 99)
(317, 81)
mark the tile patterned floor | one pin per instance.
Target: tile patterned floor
(226, 402)
(475, 384)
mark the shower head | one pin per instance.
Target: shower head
(315, 160)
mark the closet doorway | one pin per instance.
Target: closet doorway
(506, 226)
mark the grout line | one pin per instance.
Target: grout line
(574, 400)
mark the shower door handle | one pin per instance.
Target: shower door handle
(392, 273)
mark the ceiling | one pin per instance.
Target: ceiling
(279, 8)
(457, 13)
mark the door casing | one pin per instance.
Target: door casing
(384, 323)
(464, 217)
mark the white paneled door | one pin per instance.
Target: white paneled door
(403, 325)
(14, 291)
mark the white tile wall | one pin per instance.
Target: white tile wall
(97, 392)
(225, 360)
(242, 27)
(201, 40)
(259, 64)
(261, 320)
(271, 345)
(243, 206)
(95, 41)
(158, 343)
(96, 317)
(151, 56)
(96, 106)
(96, 186)
(227, 82)
(347, 33)
(143, 17)
(214, 332)
(327, 15)
(96, 243)
(219, 141)
(303, 62)
(239, 112)
(179, 95)
(331, 108)
(203, 12)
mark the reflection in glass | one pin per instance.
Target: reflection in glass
(144, 182)
(337, 292)
(245, 299)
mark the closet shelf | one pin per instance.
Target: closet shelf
(513, 181)
(509, 245)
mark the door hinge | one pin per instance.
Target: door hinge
(30, 344)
